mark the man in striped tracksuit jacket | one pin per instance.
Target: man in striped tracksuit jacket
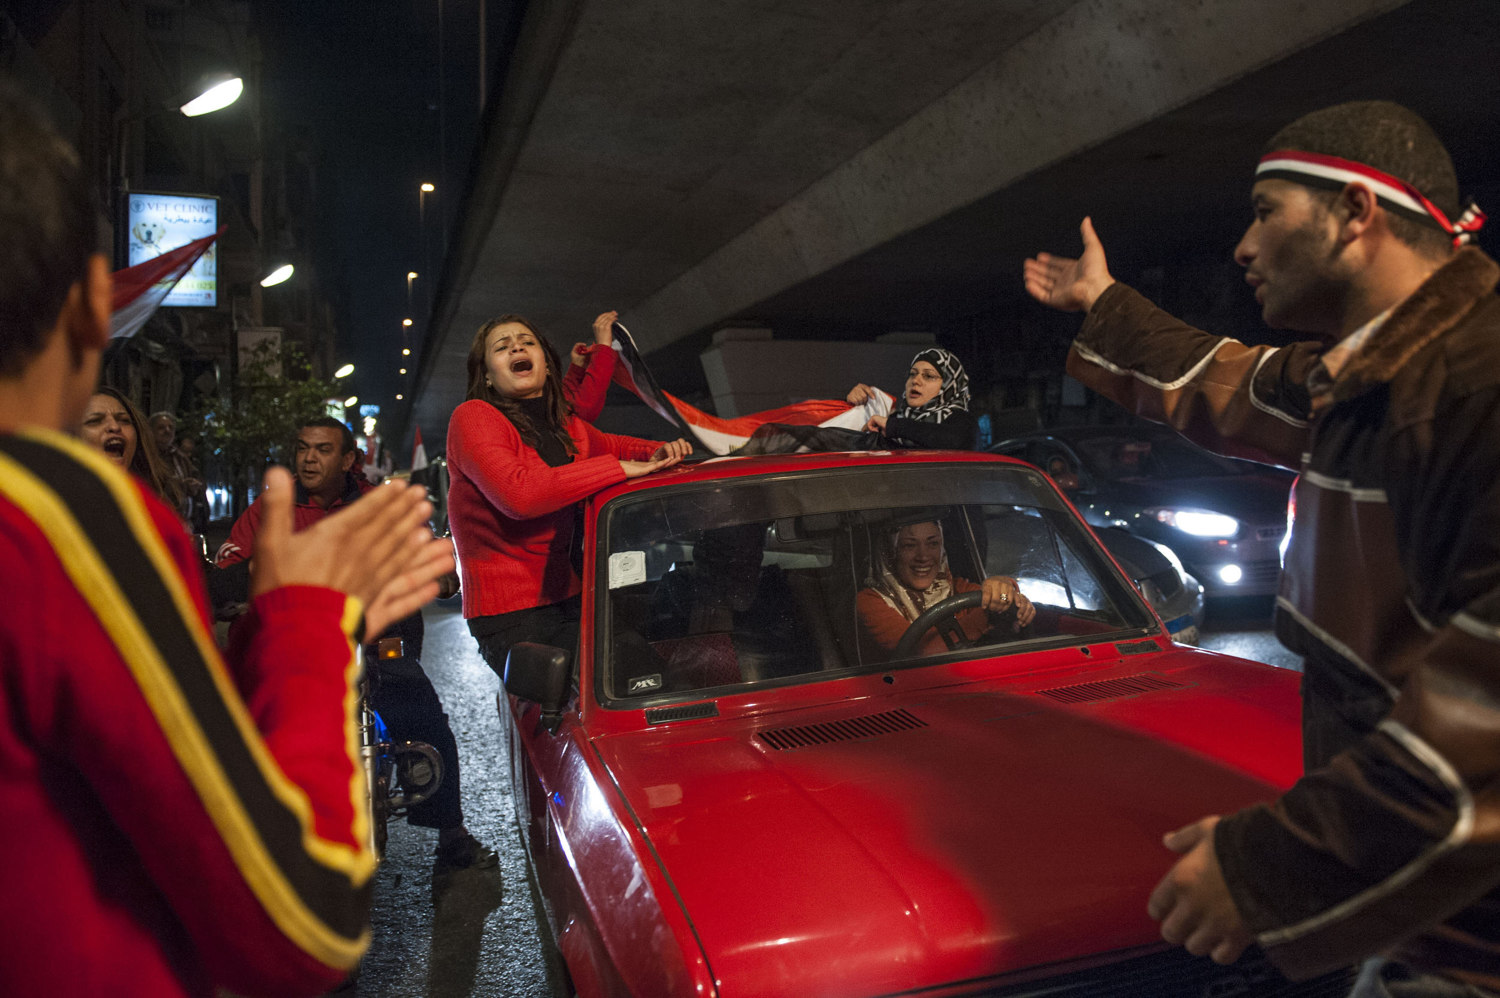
(174, 824)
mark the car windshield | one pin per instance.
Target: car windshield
(1165, 456)
(792, 578)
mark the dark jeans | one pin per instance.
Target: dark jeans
(411, 710)
(555, 624)
(406, 701)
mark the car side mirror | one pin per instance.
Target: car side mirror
(542, 674)
(1066, 480)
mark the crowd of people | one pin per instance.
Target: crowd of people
(189, 817)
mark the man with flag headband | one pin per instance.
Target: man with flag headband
(1388, 849)
(176, 824)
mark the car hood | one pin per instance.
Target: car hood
(910, 840)
(1257, 498)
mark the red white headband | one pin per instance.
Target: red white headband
(1313, 169)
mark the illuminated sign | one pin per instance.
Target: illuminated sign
(160, 223)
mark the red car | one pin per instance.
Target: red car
(741, 791)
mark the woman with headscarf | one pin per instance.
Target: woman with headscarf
(933, 410)
(114, 425)
(910, 575)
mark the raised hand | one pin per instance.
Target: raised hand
(604, 328)
(859, 395)
(1065, 283)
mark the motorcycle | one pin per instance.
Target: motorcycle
(398, 774)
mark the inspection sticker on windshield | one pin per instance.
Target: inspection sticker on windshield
(626, 568)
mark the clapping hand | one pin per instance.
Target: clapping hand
(378, 550)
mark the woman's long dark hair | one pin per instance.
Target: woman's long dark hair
(557, 408)
(147, 464)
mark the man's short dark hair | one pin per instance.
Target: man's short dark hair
(346, 434)
(47, 227)
(1392, 139)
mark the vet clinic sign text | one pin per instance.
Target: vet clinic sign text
(158, 223)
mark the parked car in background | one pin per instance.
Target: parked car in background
(1175, 595)
(736, 792)
(1224, 519)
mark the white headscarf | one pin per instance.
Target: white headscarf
(908, 602)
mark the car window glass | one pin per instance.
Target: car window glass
(760, 582)
(1163, 457)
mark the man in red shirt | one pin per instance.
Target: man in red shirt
(175, 824)
(326, 462)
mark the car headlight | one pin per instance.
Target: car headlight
(1198, 522)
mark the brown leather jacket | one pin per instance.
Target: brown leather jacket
(1391, 591)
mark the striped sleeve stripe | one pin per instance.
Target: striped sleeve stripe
(110, 549)
(1459, 834)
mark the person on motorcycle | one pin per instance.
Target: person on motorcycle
(328, 478)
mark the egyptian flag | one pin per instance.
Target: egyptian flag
(818, 424)
(418, 453)
(139, 290)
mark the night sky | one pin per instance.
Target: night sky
(358, 86)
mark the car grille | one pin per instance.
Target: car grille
(848, 730)
(1110, 689)
(1261, 573)
(1176, 974)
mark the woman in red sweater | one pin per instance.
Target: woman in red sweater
(519, 462)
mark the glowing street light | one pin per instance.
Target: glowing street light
(406, 351)
(411, 275)
(215, 98)
(344, 371)
(400, 397)
(350, 401)
(422, 193)
(403, 370)
(405, 322)
(277, 276)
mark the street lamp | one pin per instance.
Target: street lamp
(406, 322)
(215, 98)
(344, 371)
(411, 275)
(352, 400)
(406, 351)
(277, 276)
(422, 193)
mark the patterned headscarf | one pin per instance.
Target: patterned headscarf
(952, 397)
(898, 596)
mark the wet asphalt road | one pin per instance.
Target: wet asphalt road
(480, 932)
(464, 932)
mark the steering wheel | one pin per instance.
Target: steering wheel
(943, 616)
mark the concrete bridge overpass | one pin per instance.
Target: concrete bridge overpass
(853, 167)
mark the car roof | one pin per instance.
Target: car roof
(1071, 434)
